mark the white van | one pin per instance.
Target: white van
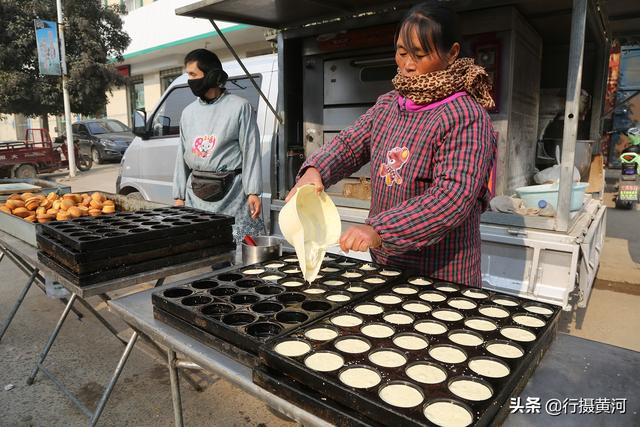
(146, 170)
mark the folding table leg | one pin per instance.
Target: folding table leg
(114, 379)
(102, 320)
(52, 338)
(175, 387)
(23, 294)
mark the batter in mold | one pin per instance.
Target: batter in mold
(351, 274)
(432, 296)
(321, 334)
(420, 281)
(398, 318)
(539, 310)
(253, 271)
(377, 331)
(352, 345)
(496, 312)
(401, 395)
(388, 299)
(314, 291)
(517, 334)
(447, 414)
(505, 301)
(292, 348)
(426, 373)
(480, 325)
(338, 297)
(447, 315)
(466, 339)
(410, 342)
(489, 368)
(358, 377)
(462, 304)
(505, 350)
(324, 361)
(528, 321)
(430, 328)
(472, 293)
(470, 390)
(346, 320)
(292, 284)
(387, 358)
(448, 354)
(416, 307)
(368, 309)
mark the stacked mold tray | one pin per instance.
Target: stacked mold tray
(89, 250)
(238, 311)
(419, 353)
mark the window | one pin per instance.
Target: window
(168, 76)
(166, 121)
(82, 130)
(136, 93)
(244, 89)
(132, 4)
(108, 126)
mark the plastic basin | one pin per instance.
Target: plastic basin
(534, 195)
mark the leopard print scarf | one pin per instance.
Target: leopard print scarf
(463, 74)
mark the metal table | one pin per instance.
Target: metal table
(137, 311)
(101, 289)
(572, 368)
(24, 256)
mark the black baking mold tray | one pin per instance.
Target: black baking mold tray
(126, 228)
(367, 401)
(132, 269)
(247, 308)
(310, 400)
(105, 259)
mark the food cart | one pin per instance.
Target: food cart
(336, 58)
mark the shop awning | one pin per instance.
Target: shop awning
(620, 17)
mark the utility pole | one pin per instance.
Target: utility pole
(65, 94)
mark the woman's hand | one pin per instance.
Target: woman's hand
(179, 202)
(360, 238)
(255, 205)
(311, 176)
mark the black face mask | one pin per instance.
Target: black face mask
(199, 87)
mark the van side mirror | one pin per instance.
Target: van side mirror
(139, 120)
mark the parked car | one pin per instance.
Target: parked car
(108, 139)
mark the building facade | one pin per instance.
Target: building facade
(159, 41)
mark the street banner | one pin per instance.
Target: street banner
(47, 43)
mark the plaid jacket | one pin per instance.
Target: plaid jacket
(429, 174)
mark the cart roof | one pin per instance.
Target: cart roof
(621, 17)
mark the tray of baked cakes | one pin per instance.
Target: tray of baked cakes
(94, 237)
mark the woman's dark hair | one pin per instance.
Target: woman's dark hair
(437, 27)
(204, 59)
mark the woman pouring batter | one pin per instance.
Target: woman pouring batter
(431, 146)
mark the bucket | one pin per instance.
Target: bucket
(267, 248)
(532, 195)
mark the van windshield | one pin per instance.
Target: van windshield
(166, 121)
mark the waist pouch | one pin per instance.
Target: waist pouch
(212, 186)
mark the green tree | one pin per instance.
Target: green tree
(94, 38)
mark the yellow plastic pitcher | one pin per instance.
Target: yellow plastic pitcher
(310, 223)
